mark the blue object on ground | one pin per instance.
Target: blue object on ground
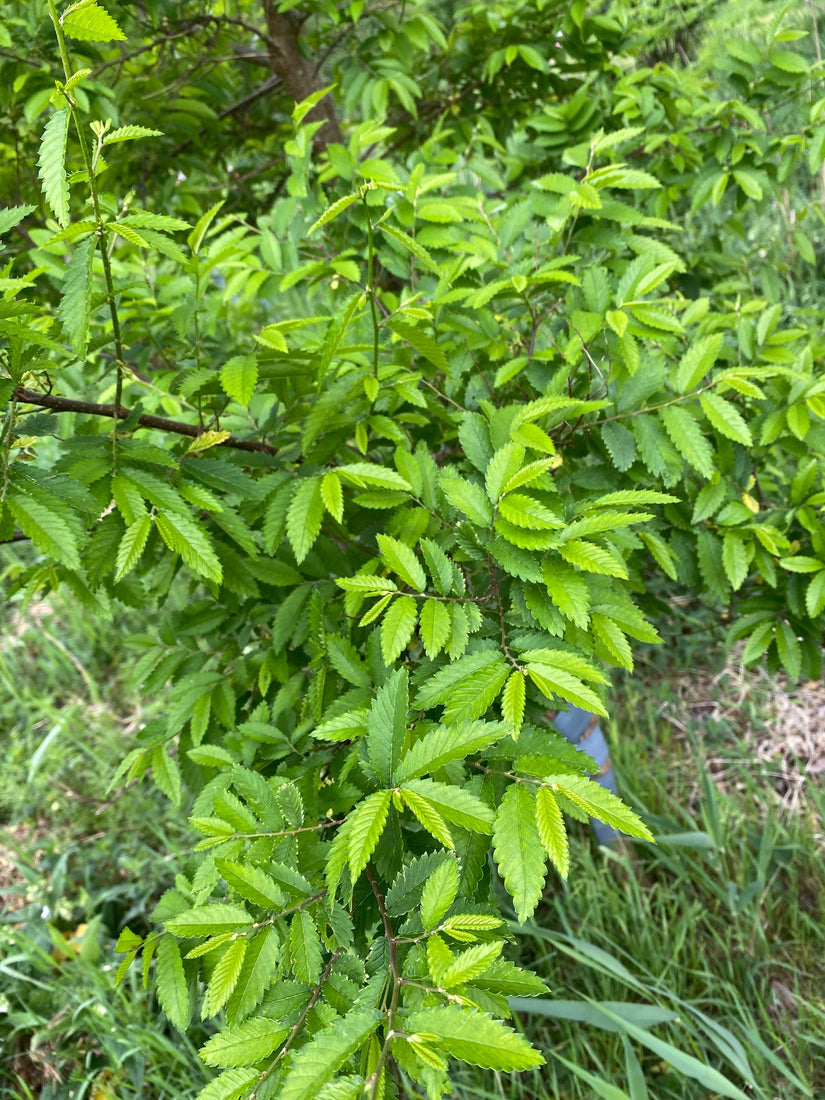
(582, 729)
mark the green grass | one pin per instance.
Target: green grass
(716, 935)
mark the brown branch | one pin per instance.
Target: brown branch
(68, 404)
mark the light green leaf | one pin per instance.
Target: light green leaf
(726, 418)
(551, 830)
(439, 893)
(332, 495)
(688, 439)
(592, 558)
(333, 211)
(397, 627)
(166, 775)
(366, 823)
(387, 725)
(52, 169)
(238, 377)
(209, 920)
(173, 992)
(251, 883)
(697, 361)
(185, 537)
(49, 531)
(224, 977)
(556, 681)
(303, 519)
(257, 974)
(421, 342)
(600, 803)
(471, 698)
(502, 468)
(454, 804)
(815, 595)
(232, 1084)
(428, 815)
(434, 627)
(412, 246)
(402, 560)
(305, 948)
(131, 546)
(512, 701)
(10, 216)
(467, 498)
(446, 743)
(473, 1037)
(518, 849)
(87, 21)
(734, 559)
(244, 1044)
(317, 1061)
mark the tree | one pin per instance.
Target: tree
(395, 447)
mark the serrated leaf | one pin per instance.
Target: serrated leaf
(332, 495)
(132, 546)
(346, 661)
(473, 1037)
(49, 532)
(434, 627)
(303, 519)
(620, 444)
(366, 823)
(455, 805)
(209, 920)
(224, 977)
(726, 418)
(232, 1084)
(600, 803)
(387, 725)
(242, 1045)
(592, 558)
(332, 211)
(305, 948)
(317, 1061)
(468, 498)
(470, 965)
(512, 701)
(187, 538)
(402, 560)
(173, 992)
(52, 167)
(10, 216)
(421, 342)
(697, 361)
(257, 974)
(557, 681)
(734, 559)
(75, 298)
(238, 378)
(551, 830)
(166, 775)
(789, 649)
(472, 697)
(397, 627)
(445, 744)
(569, 592)
(412, 246)
(518, 849)
(502, 468)
(436, 689)
(687, 437)
(87, 21)
(815, 595)
(439, 894)
(428, 816)
(251, 883)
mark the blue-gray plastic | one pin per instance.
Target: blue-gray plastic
(573, 724)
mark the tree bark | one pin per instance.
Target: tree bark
(296, 73)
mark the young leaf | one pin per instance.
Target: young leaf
(238, 377)
(557, 681)
(387, 725)
(317, 1061)
(512, 701)
(397, 627)
(232, 1084)
(600, 803)
(10, 216)
(518, 849)
(173, 991)
(366, 823)
(209, 920)
(224, 977)
(305, 948)
(726, 418)
(429, 816)
(53, 178)
(434, 627)
(473, 1037)
(552, 832)
(468, 498)
(439, 894)
(303, 520)
(445, 744)
(244, 1044)
(87, 21)
(132, 546)
(251, 883)
(402, 560)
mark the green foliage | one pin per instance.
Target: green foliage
(384, 532)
